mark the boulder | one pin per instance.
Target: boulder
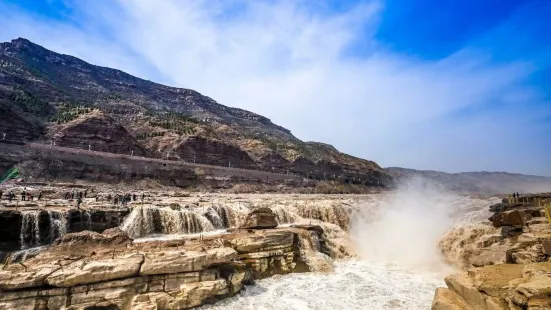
(260, 218)
(510, 218)
(510, 231)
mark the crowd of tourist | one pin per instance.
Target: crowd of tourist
(77, 196)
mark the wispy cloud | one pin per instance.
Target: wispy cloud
(320, 73)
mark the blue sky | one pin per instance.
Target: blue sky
(444, 85)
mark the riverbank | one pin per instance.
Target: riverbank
(506, 260)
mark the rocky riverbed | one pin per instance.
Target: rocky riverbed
(505, 260)
(176, 250)
(89, 270)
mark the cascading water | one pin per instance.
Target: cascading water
(58, 225)
(151, 220)
(30, 229)
(148, 220)
(34, 232)
(396, 237)
(284, 216)
(336, 213)
(214, 217)
(85, 220)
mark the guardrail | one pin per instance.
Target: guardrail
(163, 161)
(151, 159)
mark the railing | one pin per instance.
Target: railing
(150, 159)
(166, 161)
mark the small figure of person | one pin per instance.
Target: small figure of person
(79, 201)
(39, 196)
(23, 195)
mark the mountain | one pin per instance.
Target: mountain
(46, 96)
(478, 182)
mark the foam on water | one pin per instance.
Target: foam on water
(400, 265)
(353, 285)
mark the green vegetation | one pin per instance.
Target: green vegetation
(30, 103)
(143, 136)
(175, 122)
(113, 97)
(67, 112)
(271, 144)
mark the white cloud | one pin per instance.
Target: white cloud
(294, 65)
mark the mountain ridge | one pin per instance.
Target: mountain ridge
(478, 181)
(41, 87)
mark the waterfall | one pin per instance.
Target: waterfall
(310, 252)
(139, 222)
(30, 229)
(284, 216)
(58, 224)
(218, 221)
(148, 220)
(336, 214)
(175, 219)
(85, 220)
(34, 234)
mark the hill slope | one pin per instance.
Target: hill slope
(479, 182)
(46, 96)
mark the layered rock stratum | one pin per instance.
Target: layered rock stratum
(506, 261)
(89, 270)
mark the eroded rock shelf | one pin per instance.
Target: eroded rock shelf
(88, 270)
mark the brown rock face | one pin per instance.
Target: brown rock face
(510, 218)
(505, 286)
(15, 126)
(100, 133)
(260, 218)
(210, 152)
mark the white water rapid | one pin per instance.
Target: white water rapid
(399, 264)
(353, 285)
